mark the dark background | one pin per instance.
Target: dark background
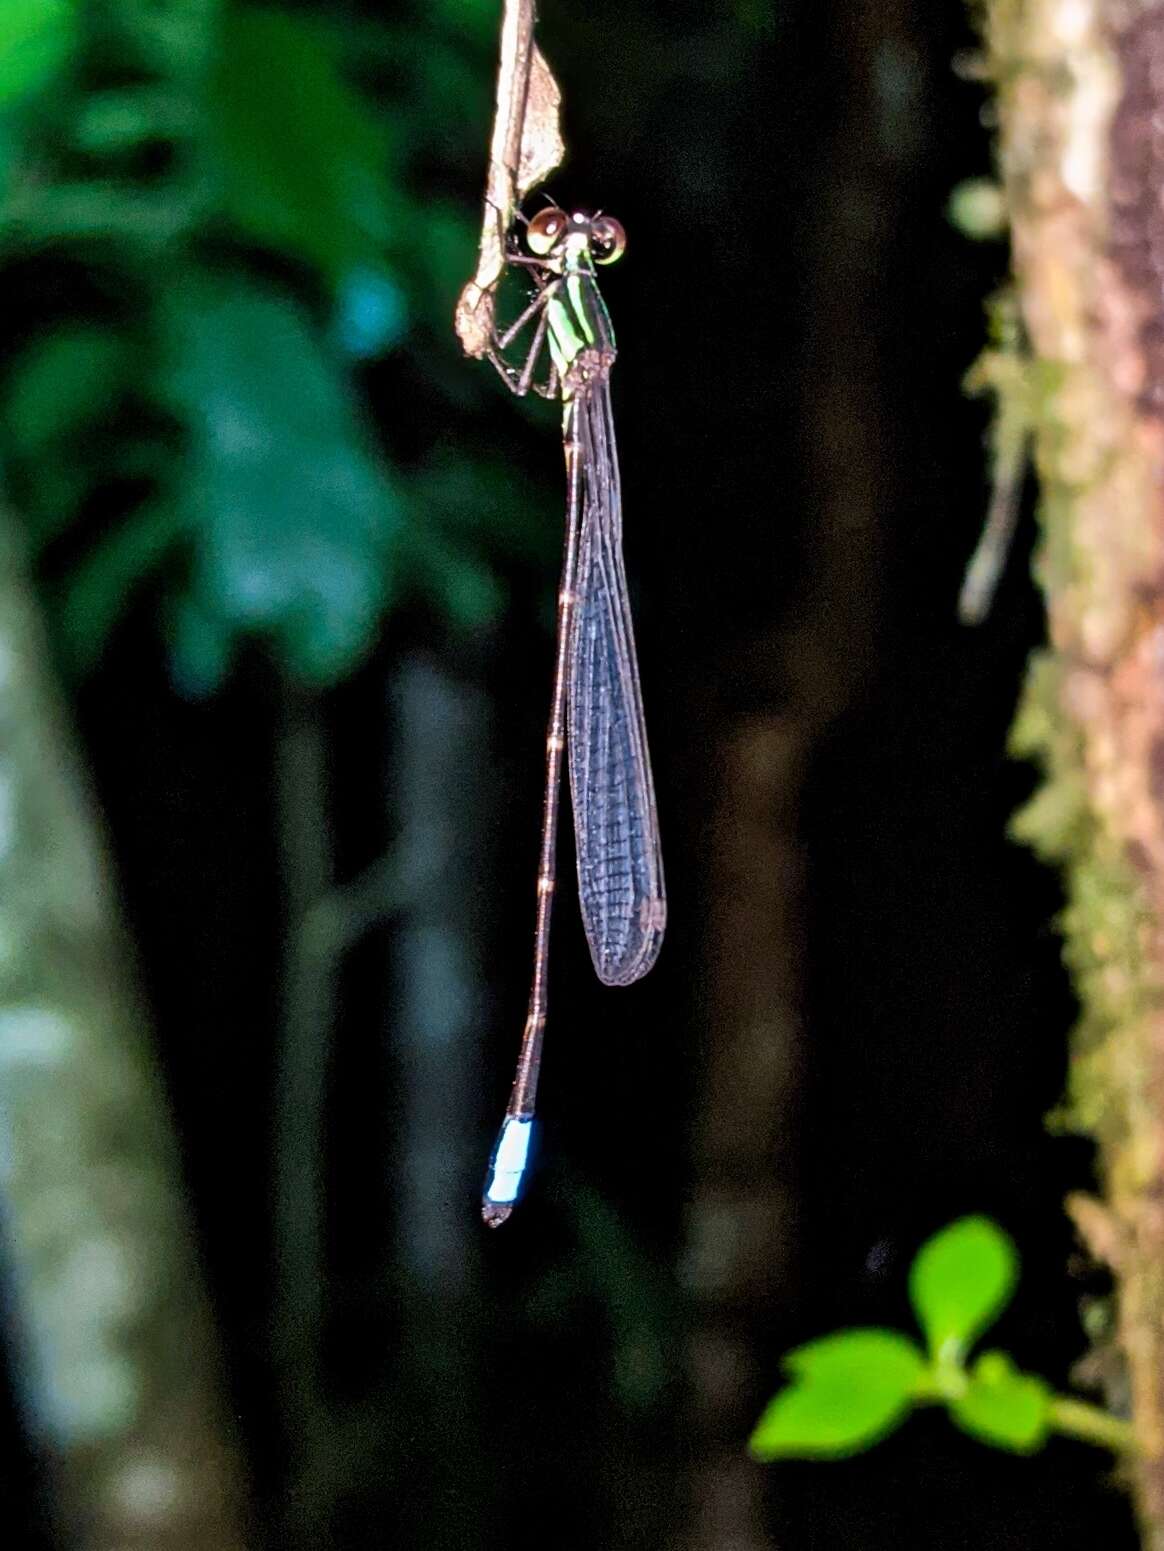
(803, 482)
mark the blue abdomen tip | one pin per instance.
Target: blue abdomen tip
(506, 1170)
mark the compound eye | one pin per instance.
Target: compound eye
(607, 239)
(543, 232)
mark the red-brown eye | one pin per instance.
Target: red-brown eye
(542, 233)
(607, 239)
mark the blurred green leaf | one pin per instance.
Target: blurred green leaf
(98, 588)
(450, 253)
(959, 1282)
(121, 118)
(64, 381)
(292, 514)
(484, 503)
(371, 313)
(301, 158)
(445, 80)
(977, 207)
(466, 589)
(35, 38)
(1003, 1406)
(57, 396)
(201, 646)
(247, 457)
(469, 514)
(847, 1391)
(478, 17)
(757, 16)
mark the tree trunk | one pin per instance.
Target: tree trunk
(744, 1236)
(114, 1363)
(316, 937)
(1081, 96)
(445, 795)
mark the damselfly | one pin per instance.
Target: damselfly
(596, 700)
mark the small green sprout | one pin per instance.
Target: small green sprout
(850, 1389)
(977, 207)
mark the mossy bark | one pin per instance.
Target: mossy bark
(1080, 87)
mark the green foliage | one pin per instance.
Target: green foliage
(293, 514)
(35, 39)
(62, 387)
(959, 1282)
(210, 444)
(849, 1389)
(977, 208)
(1002, 1406)
(300, 162)
(479, 16)
(98, 586)
(61, 390)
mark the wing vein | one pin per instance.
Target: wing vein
(620, 869)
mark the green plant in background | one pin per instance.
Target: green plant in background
(35, 37)
(199, 275)
(851, 1388)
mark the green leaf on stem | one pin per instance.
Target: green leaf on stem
(1004, 1407)
(847, 1391)
(959, 1282)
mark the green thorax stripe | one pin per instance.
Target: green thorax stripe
(576, 315)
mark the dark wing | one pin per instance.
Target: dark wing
(620, 865)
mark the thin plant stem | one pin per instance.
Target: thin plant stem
(1079, 1419)
(525, 148)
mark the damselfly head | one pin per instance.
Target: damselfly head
(607, 239)
(546, 230)
(549, 229)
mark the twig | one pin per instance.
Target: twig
(993, 549)
(301, 1079)
(1076, 1419)
(525, 149)
(1003, 371)
(324, 921)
